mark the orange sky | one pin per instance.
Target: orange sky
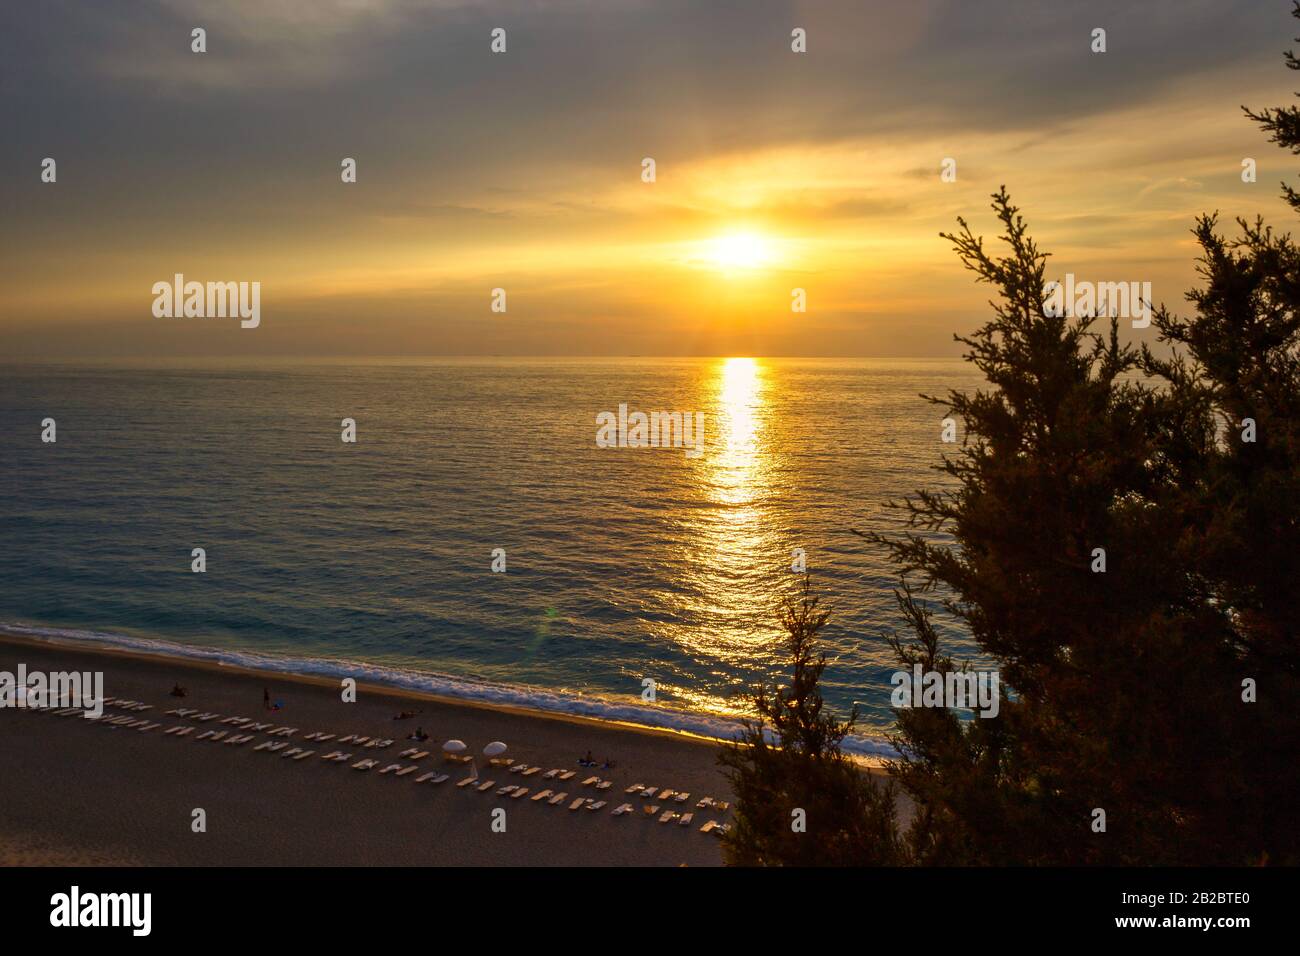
(523, 171)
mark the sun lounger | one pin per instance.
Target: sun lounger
(218, 735)
(292, 751)
(331, 755)
(364, 764)
(519, 768)
(172, 730)
(604, 785)
(323, 738)
(350, 738)
(722, 829)
(257, 728)
(419, 755)
(148, 727)
(541, 795)
(666, 794)
(531, 771)
(709, 827)
(686, 819)
(550, 775)
(205, 735)
(668, 815)
(722, 806)
(558, 798)
(519, 792)
(590, 780)
(577, 803)
(622, 809)
(652, 809)
(265, 745)
(508, 788)
(405, 770)
(390, 768)
(682, 797)
(635, 788)
(501, 761)
(359, 741)
(704, 803)
(278, 747)
(568, 775)
(484, 787)
(649, 792)
(407, 752)
(467, 781)
(596, 805)
(425, 777)
(441, 778)
(184, 731)
(304, 755)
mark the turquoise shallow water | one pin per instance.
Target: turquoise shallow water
(622, 564)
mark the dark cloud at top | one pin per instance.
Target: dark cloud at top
(586, 84)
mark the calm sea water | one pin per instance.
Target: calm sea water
(622, 564)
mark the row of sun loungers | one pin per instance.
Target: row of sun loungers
(245, 729)
(121, 703)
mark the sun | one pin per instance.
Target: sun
(739, 250)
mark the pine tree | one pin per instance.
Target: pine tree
(1127, 684)
(799, 800)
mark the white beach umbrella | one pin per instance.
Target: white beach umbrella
(455, 747)
(494, 749)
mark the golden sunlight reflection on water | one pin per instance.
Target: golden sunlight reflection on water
(735, 552)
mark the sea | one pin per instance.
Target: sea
(479, 538)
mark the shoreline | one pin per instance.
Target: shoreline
(872, 752)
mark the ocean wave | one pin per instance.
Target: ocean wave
(442, 685)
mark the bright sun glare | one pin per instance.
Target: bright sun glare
(741, 250)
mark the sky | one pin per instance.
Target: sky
(523, 170)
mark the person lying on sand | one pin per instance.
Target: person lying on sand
(405, 715)
(178, 690)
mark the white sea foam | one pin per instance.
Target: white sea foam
(443, 685)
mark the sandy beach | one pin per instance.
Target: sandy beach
(76, 792)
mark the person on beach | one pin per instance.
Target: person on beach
(178, 690)
(266, 698)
